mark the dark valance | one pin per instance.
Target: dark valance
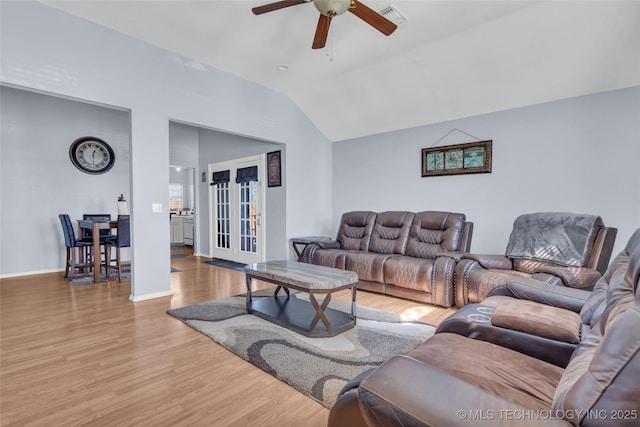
(220, 177)
(247, 174)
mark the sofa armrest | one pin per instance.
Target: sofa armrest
(456, 256)
(542, 320)
(403, 391)
(307, 253)
(498, 262)
(552, 351)
(573, 277)
(328, 244)
(544, 293)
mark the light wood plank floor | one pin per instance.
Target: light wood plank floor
(87, 356)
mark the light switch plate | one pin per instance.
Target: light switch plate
(156, 207)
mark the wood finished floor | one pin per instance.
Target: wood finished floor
(86, 355)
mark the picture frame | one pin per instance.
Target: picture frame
(473, 157)
(274, 169)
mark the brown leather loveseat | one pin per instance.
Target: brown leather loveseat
(452, 380)
(405, 254)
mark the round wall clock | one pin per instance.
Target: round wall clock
(92, 155)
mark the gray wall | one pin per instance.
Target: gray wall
(183, 145)
(576, 155)
(39, 181)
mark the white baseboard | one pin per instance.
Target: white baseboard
(31, 273)
(138, 298)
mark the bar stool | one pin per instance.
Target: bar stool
(121, 240)
(72, 245)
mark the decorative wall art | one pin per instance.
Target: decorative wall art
(274, 169)
(474, 157)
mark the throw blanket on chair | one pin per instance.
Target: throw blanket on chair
(558, 237)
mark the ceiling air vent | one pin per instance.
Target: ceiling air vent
(392, 13)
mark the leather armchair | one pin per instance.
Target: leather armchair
(560, 249)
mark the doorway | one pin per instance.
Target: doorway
(182, 209)
(236, 210)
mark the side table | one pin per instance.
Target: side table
(300, 243)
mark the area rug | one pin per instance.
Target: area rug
(226, 264)
(317, 367)
(87, 278)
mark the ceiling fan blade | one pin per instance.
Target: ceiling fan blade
(275, 6)
(322, 31)
(373, 18)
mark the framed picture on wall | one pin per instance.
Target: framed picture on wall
(474, 157)
(274, 169)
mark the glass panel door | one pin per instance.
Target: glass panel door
(248, 216)
(236, 221)
(222, 216)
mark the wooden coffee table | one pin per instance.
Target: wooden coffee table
(305, 317)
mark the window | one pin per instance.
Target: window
(176, 192)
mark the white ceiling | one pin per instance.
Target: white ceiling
(450, 59)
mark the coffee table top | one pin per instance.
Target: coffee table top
(302, 275)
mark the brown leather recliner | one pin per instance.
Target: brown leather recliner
(353, 235)
(558, 248)
(538, 319)
(451, 380)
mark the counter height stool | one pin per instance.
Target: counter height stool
(72, 245)
(122, 240)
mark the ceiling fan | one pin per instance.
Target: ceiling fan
(330, 8)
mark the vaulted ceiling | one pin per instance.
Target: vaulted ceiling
(447, 60)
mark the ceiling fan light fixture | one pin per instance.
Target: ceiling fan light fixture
(332, 8)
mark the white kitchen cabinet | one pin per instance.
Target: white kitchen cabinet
(177, 229)
(188, 231)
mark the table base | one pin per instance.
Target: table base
(298, 315)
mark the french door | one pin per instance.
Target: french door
(236, 206)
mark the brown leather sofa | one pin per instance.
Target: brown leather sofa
(405, 254)
(452, 380)
(558, 248)
(539, 319)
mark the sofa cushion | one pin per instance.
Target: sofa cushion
(391, 232)
(559, 237)
(434, 232)
(525, 380)
(409, 272)
(355, 230)
(368, 266)
(538, 319)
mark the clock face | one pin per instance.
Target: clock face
(92, 155)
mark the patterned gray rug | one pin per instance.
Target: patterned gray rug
(318, 367)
